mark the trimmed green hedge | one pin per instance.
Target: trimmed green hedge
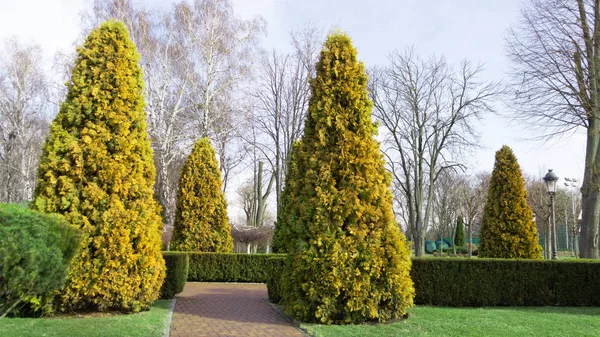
(224, 267)
(499, 282)
(458, 282)
(177, 264)
(442, 282)
(275, 266)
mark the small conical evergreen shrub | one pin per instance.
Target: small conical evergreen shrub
(459, 234)
(283, 234)
(349, 261)
(201, 222)
(97, 170)
(508, 230)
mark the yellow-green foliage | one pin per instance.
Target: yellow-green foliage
(350, 262)
(97, 170)
(508, 230)
(201, 222)
(283, 237)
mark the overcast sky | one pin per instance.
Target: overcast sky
(457, 29)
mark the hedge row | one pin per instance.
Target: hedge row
(441, 282)
(224, 267)
(491, 282)
(177, 264)
(218, 267)
(499, 282)
(275, 268)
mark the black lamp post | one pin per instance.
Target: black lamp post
(550, 178)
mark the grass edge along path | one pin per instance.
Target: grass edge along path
(143, 324)
(488, 321)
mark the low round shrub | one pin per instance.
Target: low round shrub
(474, 251)
(35, 252)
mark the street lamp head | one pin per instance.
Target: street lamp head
(550, 178)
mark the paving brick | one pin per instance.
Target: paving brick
(227, 309)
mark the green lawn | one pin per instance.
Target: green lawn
(510, 321)
(143, 324)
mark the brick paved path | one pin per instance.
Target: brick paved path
(227, 309)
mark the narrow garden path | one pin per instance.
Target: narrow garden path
(227, 309)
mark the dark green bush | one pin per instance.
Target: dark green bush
(177, 272)
(464, 250)
(459, 233)
(35, 252)
(229, 267)
(459, 250)
(498, 282)
(275, 267)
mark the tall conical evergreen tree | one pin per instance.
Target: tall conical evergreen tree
(201, 222)
(350, 262)
(508, 230)
(283, 234)
(459, 233)
(97, 170)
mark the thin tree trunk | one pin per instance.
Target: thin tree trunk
(470, 239)
(454, 243)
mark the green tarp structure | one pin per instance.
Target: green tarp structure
(429, 246)
(447, 243)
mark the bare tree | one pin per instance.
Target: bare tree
(282, 96)
(168, 113)
(555, 53)
(23, 119)
(446, 204)
(224, 49)
(426, 109)
(254, 195)
(473, 195)
(247, 239)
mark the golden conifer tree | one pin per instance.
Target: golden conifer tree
(201, 222)
(508, 230)
(350, 262)
(97, 170)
